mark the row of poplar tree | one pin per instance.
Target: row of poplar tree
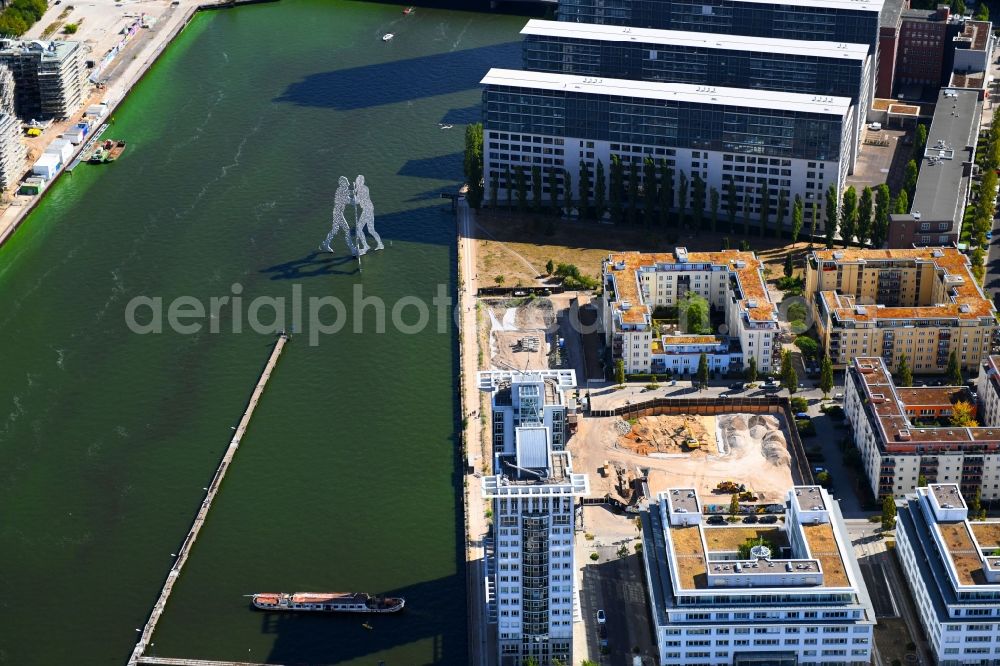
(649, 194)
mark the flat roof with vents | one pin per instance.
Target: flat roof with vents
(684, 500)
(700, 554)
(671, 92)
(947, 495)
(809, 498)
(700, 40)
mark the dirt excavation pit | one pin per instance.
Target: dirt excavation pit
(751, 449)
(669, 434)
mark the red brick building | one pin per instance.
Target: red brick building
(921, 48)
(888, 42)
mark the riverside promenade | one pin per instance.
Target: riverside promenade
(122, 75)
(476, 524)
(206, 504)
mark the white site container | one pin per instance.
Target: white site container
(47, 166)
(62, 148)
(74, 135)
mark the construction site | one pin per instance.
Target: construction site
(524, 333)
(717, 455)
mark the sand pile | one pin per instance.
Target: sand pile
(744, 433)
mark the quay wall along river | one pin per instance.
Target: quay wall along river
(348, 478)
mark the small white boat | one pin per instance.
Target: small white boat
(387, 36)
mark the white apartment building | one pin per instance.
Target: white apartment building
(988, 390)
(530, 398)
(13, 152)
(953, 571)
(48, 76)
(732, 282)
(896, 451)
(797, 597)
(530, 572)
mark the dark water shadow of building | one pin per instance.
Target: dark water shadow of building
(464, 116)
(400, 80)
(435, 609)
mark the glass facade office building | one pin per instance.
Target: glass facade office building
(664, 123)
(670, 61)
(749, 142)
(849, 21)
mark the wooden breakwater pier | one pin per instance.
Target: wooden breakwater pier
(199, 519)
(167, 661)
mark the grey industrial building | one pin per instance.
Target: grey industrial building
(942, 189)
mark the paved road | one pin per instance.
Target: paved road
(907, 608)
(869, 547)
(616, 585)
(886, 583)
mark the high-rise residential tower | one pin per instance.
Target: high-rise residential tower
(530, 572)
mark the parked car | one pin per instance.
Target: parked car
(751, 518)
(819, 470)
(768, 519)
(801, 415)
(738, 386)
(875, 127)
(716, 520)
(601, 617)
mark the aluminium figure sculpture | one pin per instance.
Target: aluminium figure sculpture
(365, 221)
(341, 198)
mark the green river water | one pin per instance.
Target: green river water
(347, 479)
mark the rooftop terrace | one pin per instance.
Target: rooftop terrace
(898, 433)
(698, 548)
(966, 299)
(963, 552)
(625, 266)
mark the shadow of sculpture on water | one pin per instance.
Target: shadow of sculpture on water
(439, 167)
(315, 264)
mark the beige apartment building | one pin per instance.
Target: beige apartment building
(922, 302)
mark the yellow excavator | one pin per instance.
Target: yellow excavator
(692, 442)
